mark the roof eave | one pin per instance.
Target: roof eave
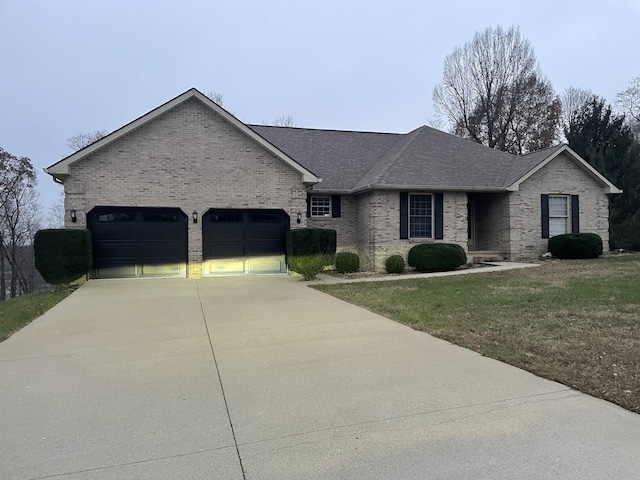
(436, 188)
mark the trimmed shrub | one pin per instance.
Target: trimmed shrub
(576, 245)
(309, 266)
(436, 257)
(347, 262)
(394, 264)
(309, 241)
(62, 256)
(309, 250)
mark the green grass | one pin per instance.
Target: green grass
(573, 321)
(19, 312)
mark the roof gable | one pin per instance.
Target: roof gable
(60, 169)
(537, 160)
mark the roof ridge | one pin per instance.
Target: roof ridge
(390, 157)
(251, 125)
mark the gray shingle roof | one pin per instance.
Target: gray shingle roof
(351, 161)
(340, 158)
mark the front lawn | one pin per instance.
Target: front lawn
(18, 312)
(576, 322)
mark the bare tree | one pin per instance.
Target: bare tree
(19, 210)
(216, 97)
(573, 99)
(493, 92)
(284, 121)
(82, 139)
(628, 102)
(55, 213)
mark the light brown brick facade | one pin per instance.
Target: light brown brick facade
(188, 158)
(193, 158)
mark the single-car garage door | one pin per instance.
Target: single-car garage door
(237, 241)
(138, 242)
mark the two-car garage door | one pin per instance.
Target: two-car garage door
(152, 242)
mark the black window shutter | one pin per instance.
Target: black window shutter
(439, 210)
(575, 214)
(404, 214)
(308, 205)
(335, 206)
(544, 205)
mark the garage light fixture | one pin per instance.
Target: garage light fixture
(299, 217)
(194, 215)
(74, 216)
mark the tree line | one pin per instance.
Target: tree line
(493, 92)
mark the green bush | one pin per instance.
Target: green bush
(62, 256)
(436, 257)
(347, 262)
(309, 266)
(394, 264)
(309, 250)
(309, 241)
(576, 245)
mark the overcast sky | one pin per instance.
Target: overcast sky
(84, 65)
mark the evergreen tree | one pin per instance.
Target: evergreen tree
(605, 140)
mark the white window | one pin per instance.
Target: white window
(320, 206)
(420, 216)
(558, 215)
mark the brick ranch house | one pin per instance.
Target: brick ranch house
(190, 190)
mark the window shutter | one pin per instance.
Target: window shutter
(404, 214)
(335, 206)
(308, 205)
(575, 214)
(544, 204)
(439, 220)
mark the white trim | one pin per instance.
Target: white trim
(577, 159)
(311, 197)
(567, 216)
(433, 216)
(60, 169)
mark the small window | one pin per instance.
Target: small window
(320, 205)
(420, 216)
(122, 216)
(558, 215)
(231, 217)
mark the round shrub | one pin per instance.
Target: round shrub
(436, 257)
(394, 264)
(347, 262)
(576, 245)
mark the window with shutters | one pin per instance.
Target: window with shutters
(558, 215)
(420, 216)
(320, 205)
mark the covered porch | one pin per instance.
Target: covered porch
(488, 226)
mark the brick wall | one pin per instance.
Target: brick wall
(379, 226)
(560, 176)
(188, 158)
(346, 226)
(492, 221)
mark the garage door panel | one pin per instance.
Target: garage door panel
(244, 241)
(137, 241)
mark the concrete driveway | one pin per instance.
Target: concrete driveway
(265, 378)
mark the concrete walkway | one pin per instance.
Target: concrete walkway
(265, 378)
(383, 277)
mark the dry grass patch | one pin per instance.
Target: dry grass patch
(575, 321)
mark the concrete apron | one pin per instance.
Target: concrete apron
(265, 378)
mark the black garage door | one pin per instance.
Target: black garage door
(138, 242)
(244, 241)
